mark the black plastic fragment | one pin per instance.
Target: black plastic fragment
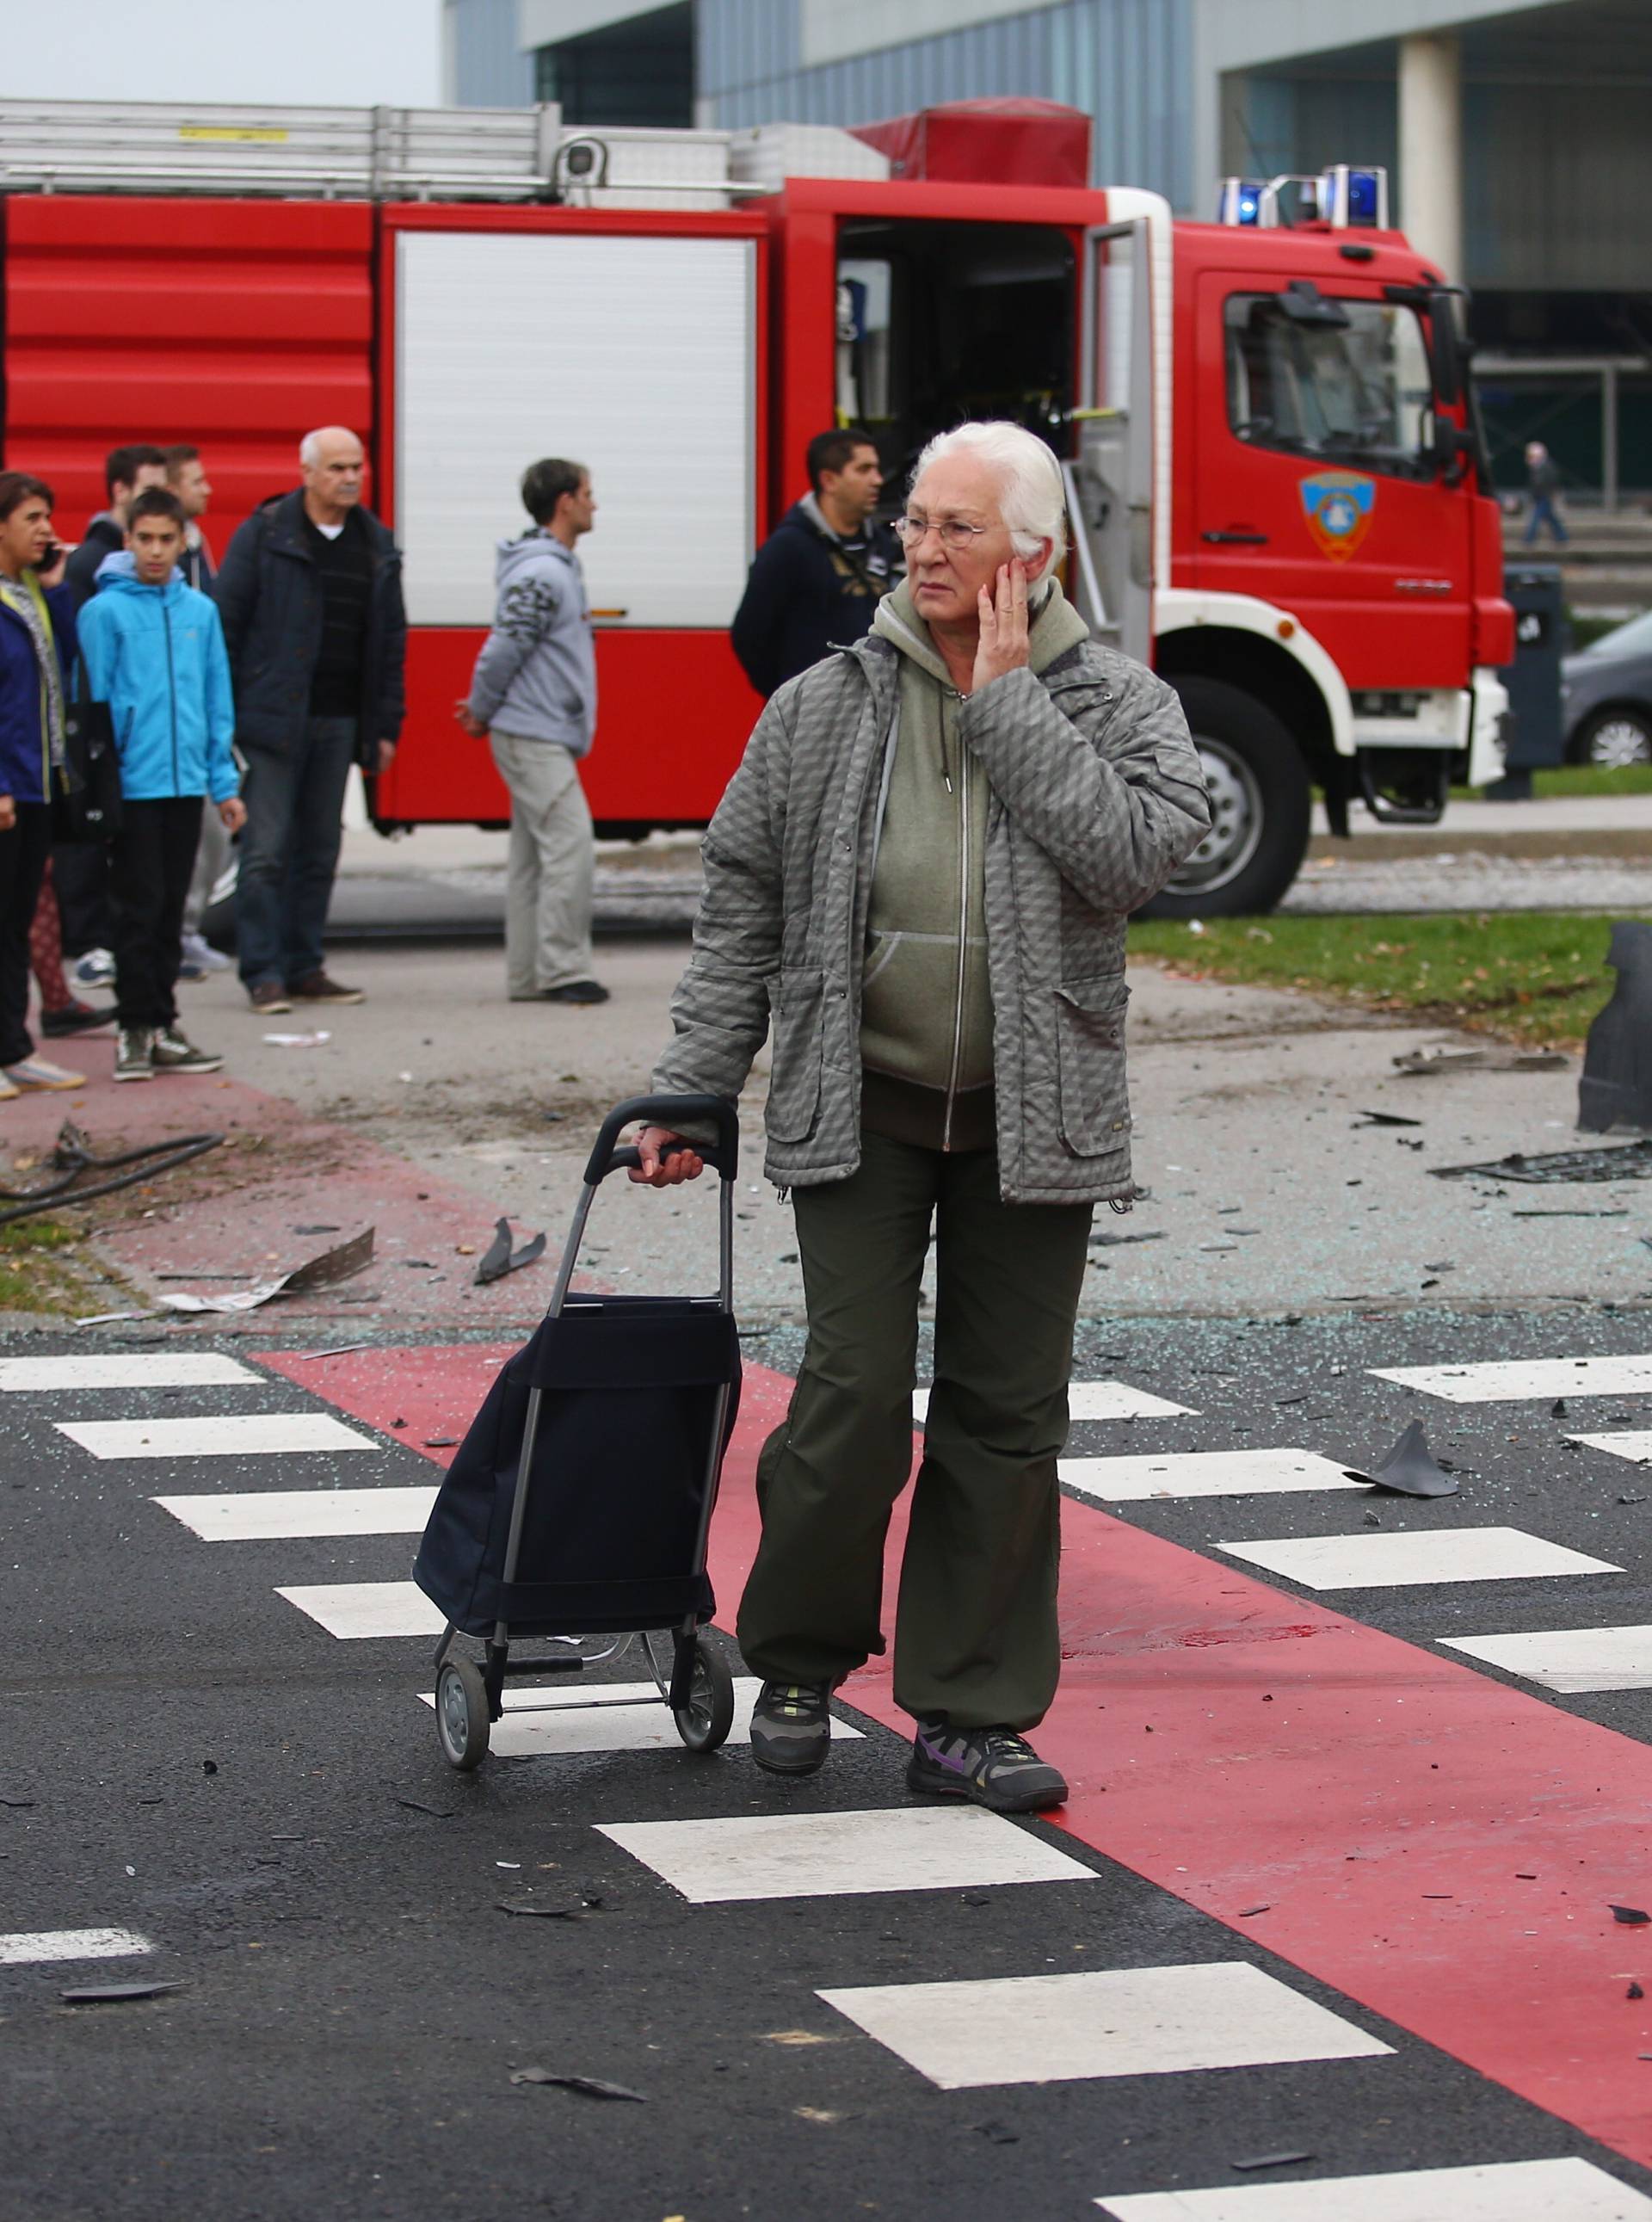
(1409, 1469)
(1273, 2159)
(544, 1912)
(499, 1258)
(1634, 1992)
(109, 1994)
(996, 2134)
(1383, 1119)
(1622, 1161)
(589, 2086)
(436, 1812)
(1631, 1916)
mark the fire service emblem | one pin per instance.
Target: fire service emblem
(1339, 506)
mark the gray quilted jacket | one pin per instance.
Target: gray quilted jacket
(1097, 797)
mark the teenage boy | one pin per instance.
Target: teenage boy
(154, 652)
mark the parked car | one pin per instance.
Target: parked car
(1606, 697)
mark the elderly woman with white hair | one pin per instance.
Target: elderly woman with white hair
(920, 877)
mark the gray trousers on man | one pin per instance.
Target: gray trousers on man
(547, 880)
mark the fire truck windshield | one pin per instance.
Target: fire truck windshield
(1354, 384)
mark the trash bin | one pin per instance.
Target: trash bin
(1534, 678)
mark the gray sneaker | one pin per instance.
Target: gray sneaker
(994, 1767)
(135, 1053)
(175, 1053)
(791, 1727)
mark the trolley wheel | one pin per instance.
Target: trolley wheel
(462, 1723)
(704, 1724)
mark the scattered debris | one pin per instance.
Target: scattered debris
(440, 1442)
(1113, 1241)
(996, 2134)
(325, 1226)
(1634, 1992)
(1409, 1469)
(816, 2114)
(436, 1812)
(110, 1994)
(1480, 1060)
(18, 1804)
(298, 1041)
(73, 1155)
(1557, 1410)
(209, 1766)
(1383, 1119)
(544, 1914)
(1632, 1917)
(333, 1350)
(1622, 1161)
(1574, 1211)
(589, 2087)
(1273, 2159)
(319, 1272)
(1246, 1912)
(498, 1259)
(796, 2036)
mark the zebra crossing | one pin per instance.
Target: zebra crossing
(964, 2033)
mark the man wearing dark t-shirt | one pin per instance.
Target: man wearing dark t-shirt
(311, 596)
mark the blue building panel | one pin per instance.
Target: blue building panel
(1128, 63)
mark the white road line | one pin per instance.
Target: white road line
(1504, 1380)
(162, 1369)
(1416, 1555)
(842, 1855)
(27, 1948)
(1201, 1473)
(1567, 1659)
(263, 1516)
(355, 1610)
(1095, 1400)
(606, 1716)
(1502, 2191)
(1635, 1443)
(203, 1435)
(1135, 2021)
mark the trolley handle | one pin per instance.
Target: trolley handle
(671, 1111)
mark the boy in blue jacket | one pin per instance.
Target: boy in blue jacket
(154, 652)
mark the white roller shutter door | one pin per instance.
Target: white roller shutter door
(634, 355)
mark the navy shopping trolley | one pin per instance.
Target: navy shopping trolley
(579, 1505)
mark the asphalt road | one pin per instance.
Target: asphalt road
(192, 1758)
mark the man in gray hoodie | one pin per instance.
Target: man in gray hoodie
(534, 696)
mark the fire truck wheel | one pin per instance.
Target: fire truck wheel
(1261, 802)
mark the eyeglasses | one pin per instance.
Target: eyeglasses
(955, 533)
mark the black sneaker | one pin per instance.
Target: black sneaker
(994, 1766)
(76, 1017)
(791, 1727)
(576, 991)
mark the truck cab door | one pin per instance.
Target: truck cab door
(1110, 481)
(1316, 485)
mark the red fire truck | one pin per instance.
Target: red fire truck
(1275, 474)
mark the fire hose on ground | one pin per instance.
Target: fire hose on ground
(74, 1156)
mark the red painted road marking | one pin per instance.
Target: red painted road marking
(1380, 1801)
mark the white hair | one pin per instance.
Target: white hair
(1032, 497)
(309, 447)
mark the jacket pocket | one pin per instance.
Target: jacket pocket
(1090, 1047)
(797, 1002)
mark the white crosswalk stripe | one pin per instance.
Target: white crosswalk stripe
(1096, 1400)
(1635, 1444)
(160, 1368)
(230, 1434)
(1506, 1380)
(272, 1515)
(354, 1610)
(545, 1723)
(1402, 1557)
(1499, 2191)
(1132, 2021)
(842, 1855)
(1201, 1473)
(1568, 1661)
(37, 1948)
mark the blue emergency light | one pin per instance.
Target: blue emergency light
(1240, 201)
(1355, 199)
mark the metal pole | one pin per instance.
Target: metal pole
(1609, 437)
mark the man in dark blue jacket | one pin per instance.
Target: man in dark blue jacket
(37, 648)
(823, 571)
(310, 595)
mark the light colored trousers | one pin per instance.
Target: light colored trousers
(548, 881)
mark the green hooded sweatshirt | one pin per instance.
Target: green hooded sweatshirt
(926, 1023)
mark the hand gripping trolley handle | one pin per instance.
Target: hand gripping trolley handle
(579, 1503)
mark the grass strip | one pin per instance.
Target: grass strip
(1533, 977)
(33, 1275)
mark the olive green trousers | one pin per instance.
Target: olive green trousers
(975, 1628)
